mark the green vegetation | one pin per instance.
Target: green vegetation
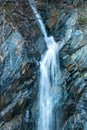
(82, 15)
(82, 19)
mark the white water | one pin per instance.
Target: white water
(38, 17)
(48, 69)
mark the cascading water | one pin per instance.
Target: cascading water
(49, 67)
(48, 70)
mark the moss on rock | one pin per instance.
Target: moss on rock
(82, 19)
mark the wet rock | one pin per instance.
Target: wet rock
(7, 31)
(65, 24)
(80, 57)
(40, 44)
(76, 39)
(75, 75)
(67, 61)
(82, 86)
(72, 68)
(78, 82)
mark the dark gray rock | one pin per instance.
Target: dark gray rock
(11, 58)
(7, 31)
(75, 75)
(82, 86)
(78, 82)
(74, 2)
(66, 61)
(17, 76)
(75, 40)
(40, 44)
(65, 25)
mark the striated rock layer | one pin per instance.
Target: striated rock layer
(20, 53)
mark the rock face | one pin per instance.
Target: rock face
(17, 82)
(73, 64)
(19, 68)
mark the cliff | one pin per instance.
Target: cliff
(21, 47)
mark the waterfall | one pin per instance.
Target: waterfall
(49, 67)
(38, 17)
(48, 70)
